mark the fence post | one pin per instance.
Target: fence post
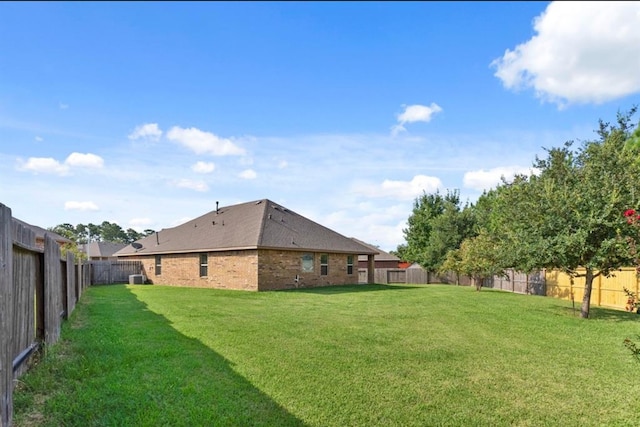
(6, 317)
(71, 284)
(79, 280)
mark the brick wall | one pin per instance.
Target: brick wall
(241, 270)
(278, 269)
(226, 270)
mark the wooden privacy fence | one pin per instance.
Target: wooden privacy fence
(513, 281)
(518, 282)
(38, 289)
(395, 275)
(107, 272)
(534, 283)
(606, 291)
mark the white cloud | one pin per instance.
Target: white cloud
(248, 174)
(201, 142)
(52, 166)
(486, 179)
(583, 52)
(282, 164)
(63, 106)
(415, 113)
(149, 131)
(39, 139)
(203, 167)
(43, 165)
(191, 185)
(87, 160)
(401, 190)
(80, 206)
(379, 225)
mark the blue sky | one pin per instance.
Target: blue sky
(147, 113)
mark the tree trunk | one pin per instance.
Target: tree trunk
(586, 299)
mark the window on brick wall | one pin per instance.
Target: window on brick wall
(324, 264)
(307, 263)
(204, 265)
(158, 265)
(349, 264)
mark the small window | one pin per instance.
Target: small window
(307, 263)
(158, 265)
(204, 265)
(324, 264)
(349, 264)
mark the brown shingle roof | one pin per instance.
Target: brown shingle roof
(259, 224)
(102, 249)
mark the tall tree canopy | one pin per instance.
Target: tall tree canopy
(105, 232)
(569, 215)
(437, 225)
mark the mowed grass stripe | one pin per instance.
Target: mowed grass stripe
(341, 356)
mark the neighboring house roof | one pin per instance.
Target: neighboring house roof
(102, 249)
(416, 266)
(40, 232)
(260, 224)
(380, 256)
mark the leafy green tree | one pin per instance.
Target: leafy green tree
(94, 233)
(400, 252)
(448, 231)
(65, 230)
(437, 224)
(82, 233)
(453, 262)
(425, 208)
(568, 215)
(479, 258)
(105, 232)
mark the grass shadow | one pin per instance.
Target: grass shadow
(342, 289)
(119, 363)
(601, 313)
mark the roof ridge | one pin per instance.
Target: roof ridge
(265, 203)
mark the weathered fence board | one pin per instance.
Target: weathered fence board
(107, 272)
(6, 317)
(417, 276)
(518, 282)
(25, 279)
(37, 287)
(52, 287)
(72, 295)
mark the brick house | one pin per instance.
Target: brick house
(254, 246)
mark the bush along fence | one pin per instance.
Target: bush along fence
(38, 290)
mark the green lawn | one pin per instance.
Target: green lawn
(372, 355)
